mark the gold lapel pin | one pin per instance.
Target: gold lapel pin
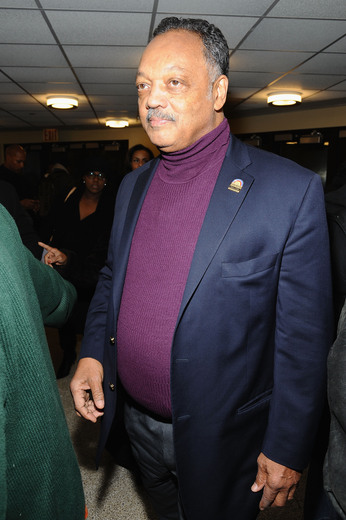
(236, 185)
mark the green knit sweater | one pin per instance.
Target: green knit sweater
(39, 474)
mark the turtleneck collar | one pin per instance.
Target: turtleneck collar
(184, 165)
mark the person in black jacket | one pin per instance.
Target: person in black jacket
(80, 230)
(9, 199)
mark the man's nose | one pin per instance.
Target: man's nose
(156, 97)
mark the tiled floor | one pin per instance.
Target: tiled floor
(110, 492)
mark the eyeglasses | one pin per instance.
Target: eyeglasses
(99, 175)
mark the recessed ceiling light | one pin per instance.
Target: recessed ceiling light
(117, 123)
(62, 102)
(281, 99)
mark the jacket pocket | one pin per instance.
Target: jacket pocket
(258, 401)
(255, 265)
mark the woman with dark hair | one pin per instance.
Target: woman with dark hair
(80, 231)
(137, 156)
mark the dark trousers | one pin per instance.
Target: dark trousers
(152, 445)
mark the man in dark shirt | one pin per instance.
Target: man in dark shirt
(9, 199)
(11, 171)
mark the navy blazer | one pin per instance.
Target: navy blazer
(248, 360)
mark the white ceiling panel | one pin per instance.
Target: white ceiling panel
(339, 46)
(42, 74)
(308, 81)
(269, 61)
(327, 95)
(328, 62)
(294, 35)
(250, 79)
(340, 86)
(10, 88)
(53, 88)
(19, 4)
(113, 100)
(107, 89)
(221, 7)
(142, 6)
(239, 92)
(310, 9)
(17, 55)
(104, 75)
(24, 27)
(85, 28)
(102, 56)
(14, 99)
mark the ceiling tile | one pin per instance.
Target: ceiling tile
(14, 99)
(250, 79)
(328, 62)
(266, 61)
(79, 27)
(39, 74)
(339, 46)
(104, 75)
(36, 89)
(340, 86)
(308, 81)
(17, 55)
(19, 4)
(114, 100)
(294, 35)
(223, 7)
(99, 56)
(10, 88)
(243, 93)
(325, 95)
(144, 6)
(24, 27)
(309, 9)
(107, 89)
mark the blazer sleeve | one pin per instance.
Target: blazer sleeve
(303, 336)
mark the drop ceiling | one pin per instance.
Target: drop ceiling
(91, 49)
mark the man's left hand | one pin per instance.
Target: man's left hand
(278, 482)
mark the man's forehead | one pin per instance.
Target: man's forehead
(169, 69)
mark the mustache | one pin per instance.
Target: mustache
(155, 112)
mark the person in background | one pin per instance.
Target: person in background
(9, 199)
(79, 232)
(137, 156)
(39, 473)
(213, 314)
(11, 171)
(335, 460)
(55, 184)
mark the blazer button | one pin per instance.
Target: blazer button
(112, 386)
(112, 340)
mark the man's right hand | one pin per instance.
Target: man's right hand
(86, 389)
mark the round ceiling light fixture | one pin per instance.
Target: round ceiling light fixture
(117, 123)
(62, 102)
(283, 99)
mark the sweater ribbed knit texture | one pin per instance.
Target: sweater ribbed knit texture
(160, 258)
(39, 474)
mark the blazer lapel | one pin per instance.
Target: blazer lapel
(223, 207)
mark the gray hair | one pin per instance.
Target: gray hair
(215, 45)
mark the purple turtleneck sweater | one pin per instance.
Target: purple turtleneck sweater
(162, 248)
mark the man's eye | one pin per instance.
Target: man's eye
(141, 86)
(175, 82)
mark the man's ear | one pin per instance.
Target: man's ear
(220, 88)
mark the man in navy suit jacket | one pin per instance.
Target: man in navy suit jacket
(212, 315)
